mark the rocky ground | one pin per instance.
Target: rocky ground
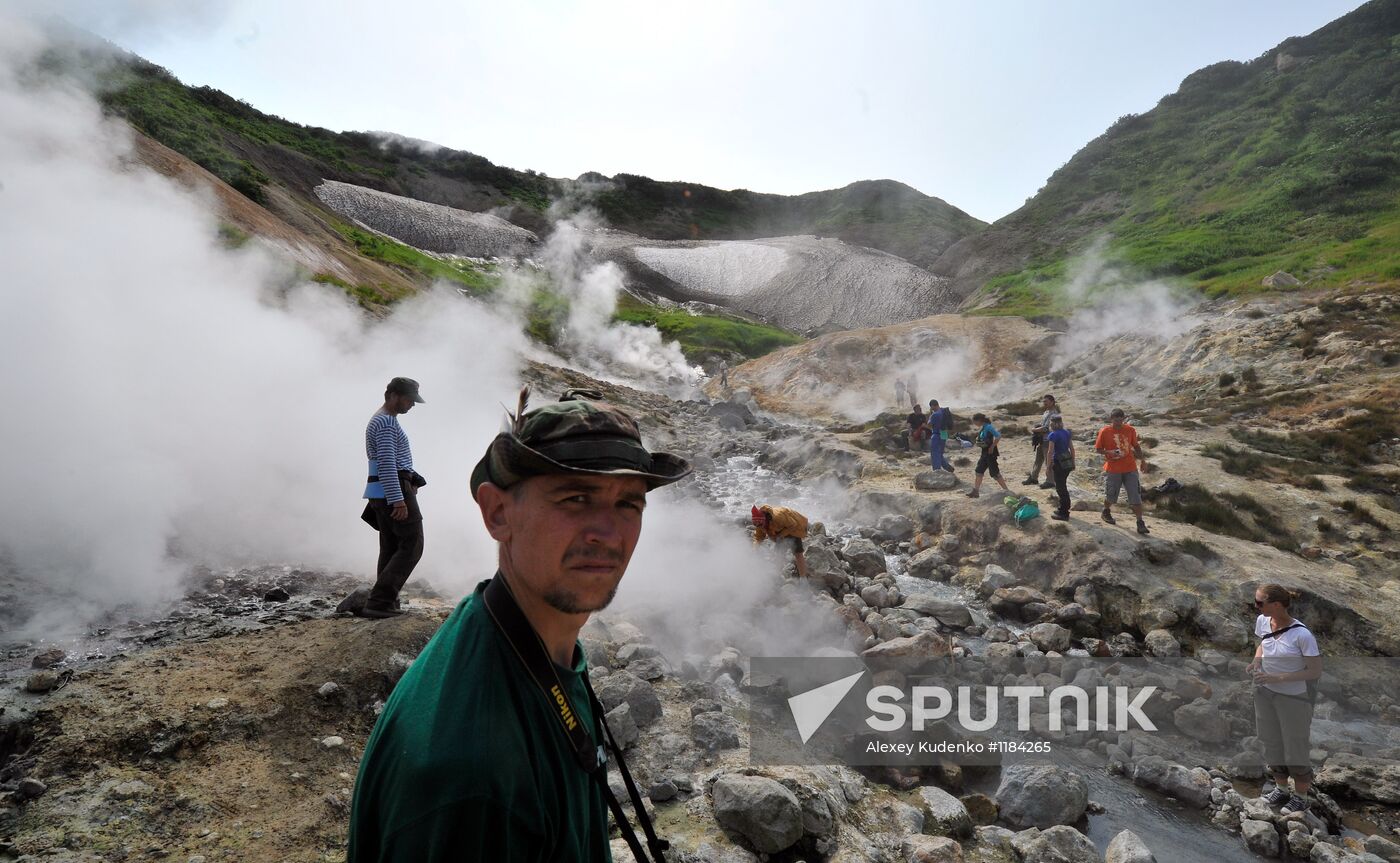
(229, 727)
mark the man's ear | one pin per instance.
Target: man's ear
(494, 502)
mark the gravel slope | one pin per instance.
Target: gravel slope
(431, 227)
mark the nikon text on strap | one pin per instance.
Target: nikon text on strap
(525, 642)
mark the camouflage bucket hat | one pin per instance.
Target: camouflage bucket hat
(575, 436)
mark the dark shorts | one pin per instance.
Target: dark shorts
(987, 463)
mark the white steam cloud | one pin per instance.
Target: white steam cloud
(596, 342)
(1121, 305)
(173, 402)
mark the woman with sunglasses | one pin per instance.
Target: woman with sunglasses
(1285, 665)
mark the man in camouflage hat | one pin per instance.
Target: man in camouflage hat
(469, 759)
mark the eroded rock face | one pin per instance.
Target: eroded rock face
(1361, 777)
(1059, 844)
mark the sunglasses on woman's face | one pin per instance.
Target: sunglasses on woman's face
(1260, 603)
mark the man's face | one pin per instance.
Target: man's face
(567, 539)
(1118, 422)
(1047, 403)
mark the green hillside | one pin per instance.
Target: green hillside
(250, 150)
(1288, 162)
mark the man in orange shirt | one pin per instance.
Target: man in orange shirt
(1118, 444)
(786, 527)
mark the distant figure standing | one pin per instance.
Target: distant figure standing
(940, 423)
(393, 498)
(724, 373)
(918, 427)
(784, 526)
(1060, 455)
(988, 439)
(1118, 444)
(1285, 666)
(899, 392)
(1039, 432)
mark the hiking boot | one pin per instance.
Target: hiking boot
(948, 469)
(1060, 516)
(377, 613)
(1278, 796)
(1295, 805)
(1047, 484)
(974, 493)
(1107, 517)
(1030, 480)
(1142, 527)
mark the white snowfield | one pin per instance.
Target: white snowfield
(724, 270)
(430, 227)
(800, 283)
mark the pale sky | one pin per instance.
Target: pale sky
(974, 102)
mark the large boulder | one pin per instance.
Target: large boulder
(760, 810)
(944, 814)
(945, 611)
(925, 564)
(1363, 777)
(622, 687)
(714, 731)
(1049, 637)
(1041, 795)
(930, 849)
(907, 654)
(935, 480)
(1190, 786)
(1202, 721)
(1162, 643)
(1059, 844)
(865, 557)
(1261, 837)
(1128, 847)
(894, 527)
(825, 569)
(993, 579)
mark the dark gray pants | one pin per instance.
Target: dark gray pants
(1040, 451)
(400, 545)
(1284, 726)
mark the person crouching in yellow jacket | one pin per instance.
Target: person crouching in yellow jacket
(785, 527)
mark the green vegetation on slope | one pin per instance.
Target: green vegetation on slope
(1288, 162)
(702, 334)
(243, 146)
(249, 149)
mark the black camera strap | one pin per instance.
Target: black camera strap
(592, 758)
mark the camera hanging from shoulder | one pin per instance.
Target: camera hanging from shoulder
(592, 759)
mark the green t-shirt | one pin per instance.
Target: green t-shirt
(468, 760)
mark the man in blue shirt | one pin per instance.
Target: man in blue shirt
(987, 439)
(392, 492)
(1061, 457)
(942, 425)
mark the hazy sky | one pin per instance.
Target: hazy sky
(975, 102)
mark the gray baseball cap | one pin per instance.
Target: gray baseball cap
(405, 387)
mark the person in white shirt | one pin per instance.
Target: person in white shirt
(1285, 665)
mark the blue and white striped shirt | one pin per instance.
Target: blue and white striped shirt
(386, 445)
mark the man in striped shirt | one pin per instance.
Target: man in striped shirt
(393, 498)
